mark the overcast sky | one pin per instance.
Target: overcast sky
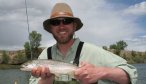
(105, 22)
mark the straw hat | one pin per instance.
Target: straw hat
(62, 10)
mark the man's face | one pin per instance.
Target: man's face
(62, 29)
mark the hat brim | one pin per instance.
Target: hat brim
(46, 24)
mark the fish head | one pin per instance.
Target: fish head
(28, 66)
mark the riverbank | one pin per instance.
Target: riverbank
(19, 56)
(8, 66)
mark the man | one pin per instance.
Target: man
(96, 65)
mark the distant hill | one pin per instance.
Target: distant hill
(12, 57)
(131, 56)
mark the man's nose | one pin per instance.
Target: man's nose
(61, 25)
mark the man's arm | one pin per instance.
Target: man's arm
(117, 75)
(88, 73)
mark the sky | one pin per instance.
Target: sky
(105, 22)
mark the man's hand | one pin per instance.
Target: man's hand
(44, 73)
(88, 73)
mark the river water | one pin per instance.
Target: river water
(10, 76)
(141, 68)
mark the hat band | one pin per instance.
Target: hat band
(61, 14)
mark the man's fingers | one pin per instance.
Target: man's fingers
(44, 72)
(37, 71)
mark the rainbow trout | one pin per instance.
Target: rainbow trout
(56, 67)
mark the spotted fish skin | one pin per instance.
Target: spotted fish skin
(55, 67)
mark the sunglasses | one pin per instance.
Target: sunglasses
(57, 22)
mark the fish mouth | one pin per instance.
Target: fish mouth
(25, 69)
(22, 66)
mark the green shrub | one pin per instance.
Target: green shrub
(5, 57)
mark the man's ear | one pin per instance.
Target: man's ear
(75, 26)
(50, 29)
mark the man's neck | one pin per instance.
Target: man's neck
(63, 48)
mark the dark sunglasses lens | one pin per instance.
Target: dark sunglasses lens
(55, 22)
(65, 21)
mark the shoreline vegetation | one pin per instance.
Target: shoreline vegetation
(9, 66)
(13, 59)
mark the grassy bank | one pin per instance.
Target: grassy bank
(8, 66)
